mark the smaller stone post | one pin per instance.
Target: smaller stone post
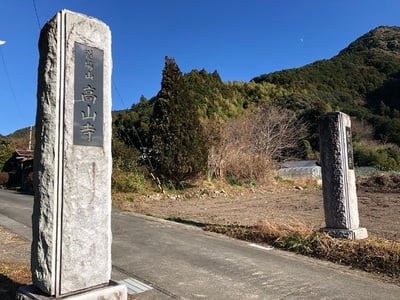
(338, 177)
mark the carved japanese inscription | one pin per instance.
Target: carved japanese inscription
(88, 94)
(350, 158)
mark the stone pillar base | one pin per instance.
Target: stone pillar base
(114, 291)
(351, 234)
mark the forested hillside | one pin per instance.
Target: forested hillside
(242, 129)
(362, 80)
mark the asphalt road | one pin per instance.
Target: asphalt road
(184, 262)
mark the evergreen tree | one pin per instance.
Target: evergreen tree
(179, 150)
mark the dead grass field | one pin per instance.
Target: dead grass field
(281, 203)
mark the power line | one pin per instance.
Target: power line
(9, 80)
(118, 93)
(36, 13)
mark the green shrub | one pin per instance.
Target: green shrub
(6, 151)
(127, 175)
(128, 182)
(383, 157)
(232, 180)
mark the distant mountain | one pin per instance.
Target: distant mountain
(363, 80)
(20, 138)
(355, 72)
(384, 38)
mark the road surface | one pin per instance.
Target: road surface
(184, 262)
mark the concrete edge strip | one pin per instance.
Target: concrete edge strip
(152, 285)
(268, 248)
(135, 286)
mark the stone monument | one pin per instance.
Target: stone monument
(338, 177)
(71, 221)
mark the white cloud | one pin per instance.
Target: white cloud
(2, 42)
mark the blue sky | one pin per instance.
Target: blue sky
(240, 39)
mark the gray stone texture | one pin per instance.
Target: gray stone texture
(71, 221)
(113, 291)
(351, 234)
(338, 176)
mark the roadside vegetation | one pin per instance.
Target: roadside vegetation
(374, 255)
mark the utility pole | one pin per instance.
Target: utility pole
(30, 139)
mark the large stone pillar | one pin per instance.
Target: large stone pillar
(71, 222)
(338, 177)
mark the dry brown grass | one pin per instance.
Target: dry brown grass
(12, 276)
(285, 230)
(383, 182)
(373, 255)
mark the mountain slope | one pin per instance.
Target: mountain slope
(356, 71)
(363, 80)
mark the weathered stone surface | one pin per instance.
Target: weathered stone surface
(113, 291)
(43, 253)
(71, 222)
(351, 234)
(338, 176)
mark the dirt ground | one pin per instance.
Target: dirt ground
(282, 203)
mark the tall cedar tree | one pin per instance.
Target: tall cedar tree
(179, 150)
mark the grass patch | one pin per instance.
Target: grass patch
(372, 255)
(129, 182)
(280, 179)
(232, 180)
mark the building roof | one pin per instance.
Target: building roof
(23, 154)
(300, 164)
